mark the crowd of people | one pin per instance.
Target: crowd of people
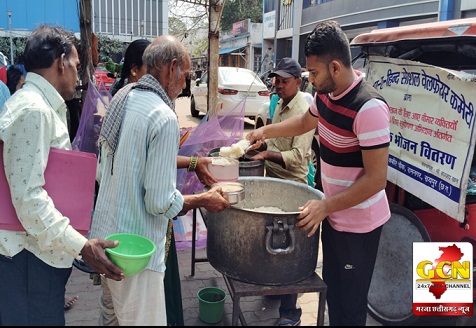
(137, 171)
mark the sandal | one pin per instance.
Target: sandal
(69, 302)
(287, 322)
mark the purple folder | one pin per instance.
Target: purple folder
(69, 180)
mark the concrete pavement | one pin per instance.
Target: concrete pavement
(258, 310)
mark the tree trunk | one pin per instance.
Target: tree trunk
(87, 71)
(215, 11)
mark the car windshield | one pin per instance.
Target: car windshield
(239, 77)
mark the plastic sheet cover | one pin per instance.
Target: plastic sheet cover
(221, 129)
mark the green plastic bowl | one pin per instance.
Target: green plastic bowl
(132, 254)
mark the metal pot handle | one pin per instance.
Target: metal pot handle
(275, 228)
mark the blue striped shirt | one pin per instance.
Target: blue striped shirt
(140, 196)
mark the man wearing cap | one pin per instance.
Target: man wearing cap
(288, 158)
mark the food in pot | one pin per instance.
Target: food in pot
(222, 161)
(268, 209)
(231, 188)
(236, 150)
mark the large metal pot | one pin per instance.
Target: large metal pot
(263, 247)
(247, 167)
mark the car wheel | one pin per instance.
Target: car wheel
(315, 154)
(193, 110)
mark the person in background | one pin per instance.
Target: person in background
(132, 68)
(198, 72)
(35, 264)
(273, 99)
(74, 112)
(287, 158)
(15, 79)
(140, 164)
(20, 64)
(4, 94)
(354, 134)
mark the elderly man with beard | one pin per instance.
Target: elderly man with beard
(139, 142)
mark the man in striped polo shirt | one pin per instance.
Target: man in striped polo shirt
(354, 134)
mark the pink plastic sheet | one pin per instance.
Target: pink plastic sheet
(94, 109)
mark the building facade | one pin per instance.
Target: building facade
(124, 20)
(286, 24)
(127, 20)
(241, 46)
(196, 42)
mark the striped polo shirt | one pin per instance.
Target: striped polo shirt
(357, 119)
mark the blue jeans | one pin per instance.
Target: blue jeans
(32, 292)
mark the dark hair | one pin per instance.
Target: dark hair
(46, 44)
(132, 57)
(13, 77)
(328, 41)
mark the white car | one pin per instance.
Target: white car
(235, 85)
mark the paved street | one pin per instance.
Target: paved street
(182, 107)
(258, 310)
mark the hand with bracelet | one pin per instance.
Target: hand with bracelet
(199, 166)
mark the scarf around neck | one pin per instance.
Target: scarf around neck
(111, 126)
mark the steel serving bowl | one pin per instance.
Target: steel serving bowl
(234, 192)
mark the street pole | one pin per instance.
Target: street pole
(9, 13)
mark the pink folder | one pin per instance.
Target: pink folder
(70, 180)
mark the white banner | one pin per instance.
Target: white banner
(432, 129)
(269, 29)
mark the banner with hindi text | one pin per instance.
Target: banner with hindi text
(431, 129)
